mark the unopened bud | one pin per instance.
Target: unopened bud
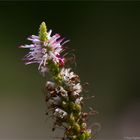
(88, 133)
(83, 125)
(77, 108)
(43, 32)
(82, 136)
(76, 128)
(71, 119)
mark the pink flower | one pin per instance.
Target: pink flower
(42, 51)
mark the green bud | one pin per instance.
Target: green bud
(83, 125)
(55, 70)
(72, 106)
(82, 136)
(71, 119)
(78, 108)
(64, 104)
(76, 128)
(43, 32)
(87, 134)
(57, 79)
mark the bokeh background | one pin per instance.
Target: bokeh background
(106, 40)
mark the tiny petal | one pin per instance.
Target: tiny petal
(28, 46)
(78, 100)
(60, 113)
(50, 85)
(57, 100)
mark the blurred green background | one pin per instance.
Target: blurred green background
(106, 39)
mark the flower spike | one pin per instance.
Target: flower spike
(63, 91)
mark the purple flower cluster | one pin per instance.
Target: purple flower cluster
(43, 51)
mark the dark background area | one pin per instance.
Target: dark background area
(106, 39)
